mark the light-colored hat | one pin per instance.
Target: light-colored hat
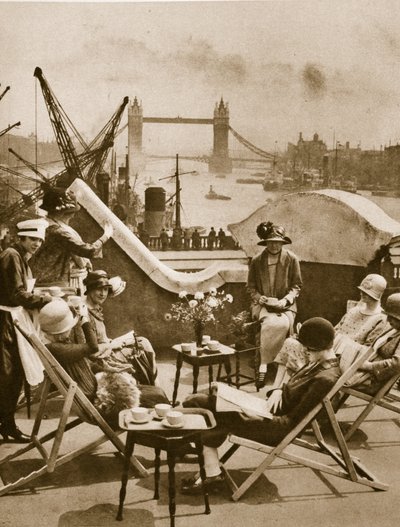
(117, 286)
(373, 285)
(32, 228)
(56, 317)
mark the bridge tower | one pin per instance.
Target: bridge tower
(136, 160)
(220, 161)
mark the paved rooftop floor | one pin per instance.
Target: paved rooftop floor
(85, 491)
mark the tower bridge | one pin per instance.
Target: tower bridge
(219, 161)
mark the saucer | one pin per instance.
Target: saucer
(156, 416)
(139, 421)
(165, 422)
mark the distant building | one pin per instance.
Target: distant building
(307, 154)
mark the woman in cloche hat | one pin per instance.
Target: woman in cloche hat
(274, 282)
(360, 326)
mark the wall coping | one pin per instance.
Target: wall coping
(216, 275)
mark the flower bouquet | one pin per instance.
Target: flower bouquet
(197, 311)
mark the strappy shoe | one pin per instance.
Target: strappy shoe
(261, 379)
(13, 435)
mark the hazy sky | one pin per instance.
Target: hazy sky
(284, 67)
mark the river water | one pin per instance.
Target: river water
(245, 198)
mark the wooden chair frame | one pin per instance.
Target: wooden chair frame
(383, 398)
(55, 375)
(348, 467)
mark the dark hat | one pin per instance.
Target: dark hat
(392, 306)
(268, 232)
(96, 279)
(57, 199)
(317, 334)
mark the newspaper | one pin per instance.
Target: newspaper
(233, 400)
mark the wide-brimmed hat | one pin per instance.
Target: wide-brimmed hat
(268, 232)
(317, 334)
(56, 317)
(373, 285)
(96, 279)
(392, 307)
(57, 199)
(32, 228)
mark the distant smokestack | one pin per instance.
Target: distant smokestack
(347, 145)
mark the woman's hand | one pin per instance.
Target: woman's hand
(275, 401)
(104, 351)
(367, 366)
(262, 300)
(250, 415)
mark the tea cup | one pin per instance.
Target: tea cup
(205, 340)
(186, 347)
(175, 418)
(213, 345)
(139, 413)
(162, 409)
(55, 291)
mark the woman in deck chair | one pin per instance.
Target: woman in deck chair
(131, 352)
(362, 324)
(302, 393)
(73, 343)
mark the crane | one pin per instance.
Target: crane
(109, 131)
(32, 197)
(9, 127)
(65, 144)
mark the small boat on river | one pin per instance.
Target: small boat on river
(211, 194)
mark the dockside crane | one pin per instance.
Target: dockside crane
(65, 144)
(108, 132)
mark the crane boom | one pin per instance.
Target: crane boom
(4, 92)
(32, 197)
(67, 149)
(28, 164)
(107, 142)
(9, 127)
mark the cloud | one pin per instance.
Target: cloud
(314, 80)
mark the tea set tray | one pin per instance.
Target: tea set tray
(193, 419)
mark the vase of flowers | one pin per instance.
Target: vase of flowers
(198, 310)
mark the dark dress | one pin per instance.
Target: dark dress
(14, 273)
(305, 389)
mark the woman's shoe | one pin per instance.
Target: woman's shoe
(14, 435)
(193, 487)
(261, 378)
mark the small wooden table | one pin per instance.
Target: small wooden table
(155, 435)
(206, 358)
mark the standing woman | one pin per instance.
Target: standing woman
(16, 286)
(274, 282)
(64, 256)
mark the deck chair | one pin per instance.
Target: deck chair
(56, 376)
(384, 398)
(347, 467)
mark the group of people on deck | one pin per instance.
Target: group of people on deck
(122, 373)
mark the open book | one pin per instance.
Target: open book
(231, 399)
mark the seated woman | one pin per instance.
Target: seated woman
(133, 353)
(302, 393)
(73, 343)
(362, 324)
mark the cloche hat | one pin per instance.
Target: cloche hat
(373, 285)
(317, 334)
(96, 279)
(392, 307)
(268, 232)
(56, 317)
